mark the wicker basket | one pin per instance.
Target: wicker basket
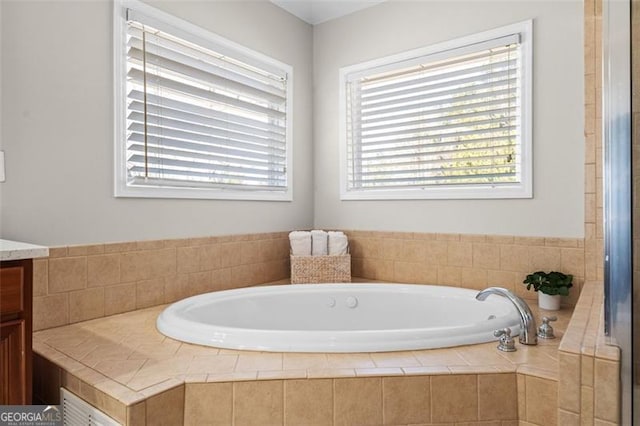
(320, 269)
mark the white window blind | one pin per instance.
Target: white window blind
(202, 116)
(447, 120)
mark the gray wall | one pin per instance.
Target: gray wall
(557, 208)
(58, 125)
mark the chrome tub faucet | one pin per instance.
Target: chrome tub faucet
(528, 330)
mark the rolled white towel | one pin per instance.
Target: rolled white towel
(319, 243)
(300, 242)
(338, 243)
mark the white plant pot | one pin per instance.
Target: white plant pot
(547, 302)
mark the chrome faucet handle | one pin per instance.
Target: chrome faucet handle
(505, 343)
(545, 331)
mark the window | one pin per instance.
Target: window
(198, 116)
(447, 121)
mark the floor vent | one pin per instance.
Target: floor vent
(76, 411)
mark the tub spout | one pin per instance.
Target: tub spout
(527, 322)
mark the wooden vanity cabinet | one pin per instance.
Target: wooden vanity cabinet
(16, 331)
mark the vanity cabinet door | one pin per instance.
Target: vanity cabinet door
(13, 369)
(16, 302)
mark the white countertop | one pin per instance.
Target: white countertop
(15, 250)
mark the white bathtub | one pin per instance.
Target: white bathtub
(338, 318)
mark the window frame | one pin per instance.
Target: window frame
(523, 189)
(190, 32)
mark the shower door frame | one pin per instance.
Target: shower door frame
(616, 137)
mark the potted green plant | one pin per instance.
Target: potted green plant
(550, 286)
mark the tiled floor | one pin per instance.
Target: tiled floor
(126, 357)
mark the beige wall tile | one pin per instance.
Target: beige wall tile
(163, 262)
(544, 259)
(500, 239)
(545, 394)
(119, 298)
(572, 262)
(103, 270)
(406, 400)
(176, 288)
(606, 390)
(528, 241)
(435, 252)
(473, 238)
(133, 266)
(486, 256)
(589, 208)
(104, 402)
(497, 397)
(245, 275)
(50, 311)
(120, 247)
(569, 371)
(506, 279)
(587, 370)
(221, 279)
(514, 258)
(454, 398)
(449, 275)
(567, 418)
(411, 272)
(146, 264)
(459, 254)
(392, 249)
(522, 396)
(258, 403)
(137, 414)
(86, 304)
(273, 270)
(95, 249)
(166, 408)
(273, 249)
(412, 250)
(598, 422)
(67, 273)
(69, 381)
(561, 242)
(188, 259)
(473, 278)
(40, 277)
(358, 401)
(149, 244)
(230, 254)
(200, 282)
(308, 402)
(149, 293)
(55, 252)
(210, 257)
(377, 269)
(448, 237)
(208, 404)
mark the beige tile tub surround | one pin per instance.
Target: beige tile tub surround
(593, 209)
(122, 365)
(471, 261)
(589, 369)
(78, 283)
